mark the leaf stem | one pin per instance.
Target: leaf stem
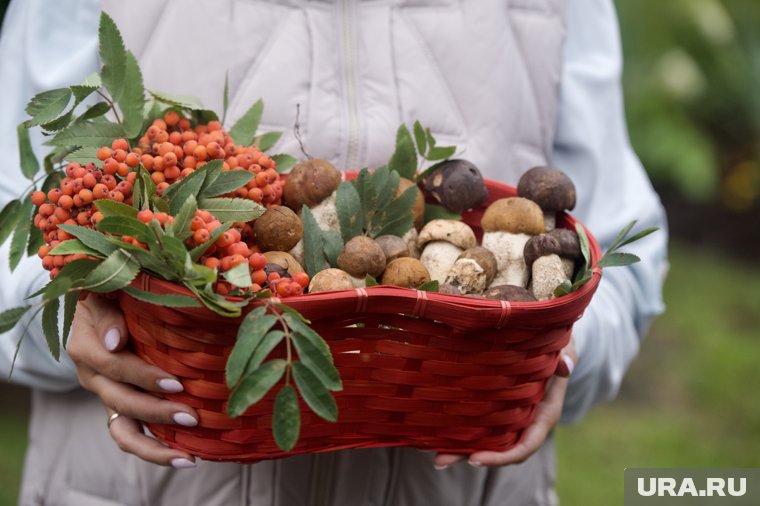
(112, 105)
(288, 345)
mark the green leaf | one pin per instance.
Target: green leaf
(132, 101)
(231, 209)
(420, 138)
(71, 275)
(429, 286)
(267, 140)
(73, 247)
(96, 111)
(70, 301)
(113, 56)
(50, 327)
(47, 106)
(268, 343)
(438, 212)
(284, 162)
(286, 419)
(370, 281)
(333, 245)
(159, 299)
(349, 209)
(182, 221)
(114, 273)
(250, 334)
(10, 317)
(124, 225)
(618, 260)
(254, 386)
(182, 101)
(213, 170)
(441, 153)
(385, 188)
(179, 192)
(313, 355)
(143, 189)
(225, 96)
(216, 302)
(60, 122)
(88, 134)
(404, 159)
(112, 208)
(638, 235)
(29, 164)
(20, 233)
(244, 130)
(172, 249)
(9, 216)
(87, 87)
(563, 289)
(36, 239)
(199, 250)
(85, 155)
(621, 235)
(91, 238)
(240, 275)
(397, 218)
(227, 182)
(313, 246)
(584, 244)
(315, 393)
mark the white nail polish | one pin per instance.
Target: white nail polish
(183, 464)
(569, 363)
(440, 468)
(183, 418)
(169, 385)
(474, 464)
(112, 338)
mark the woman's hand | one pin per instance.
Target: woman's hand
(121, 380)
(548, 412)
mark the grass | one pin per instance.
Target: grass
(689, 398)
(688, 401)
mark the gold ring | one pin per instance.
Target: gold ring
(111, 419)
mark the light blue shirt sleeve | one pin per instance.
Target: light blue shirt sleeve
(43, 45)
(593, 148)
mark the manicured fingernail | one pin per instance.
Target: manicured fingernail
(183, 464)
(474, 463)
(169, 385)
(440, 468)
(112, 338)
(183, 418)
(569, 363)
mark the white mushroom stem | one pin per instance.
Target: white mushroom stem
(410, 238)
(439, 257)
(467, 276)
(508, 250)
(359, 282)
(547, 274)
(326, 214)
(297, 252)
(568, 266)
(550, 220)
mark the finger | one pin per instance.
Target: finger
(141, 406)
(129, 436)
(109, 324)
(567, 360)
(444, 460)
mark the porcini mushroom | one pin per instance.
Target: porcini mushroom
(330, 279)
(543, 260)
(405, 272)
(393, 246)
(278, 229)
(284, 260)
(551, 189)
(473, 270)
(570, 249)
(458, 185)
(443, 242)
(418, 208)
(507, 225)
(509, 292)
(362, 256)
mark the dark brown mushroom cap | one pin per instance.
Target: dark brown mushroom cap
(406, 272)
(393, 246)
(548, 187)
(309, 183)
(361, 256)
(569, 245)
(278, 229)
(511, 293)
(485, 258)
(538, 246)
(458, 185)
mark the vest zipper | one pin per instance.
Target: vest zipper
(348, 21)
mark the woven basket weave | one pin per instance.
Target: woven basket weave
(428, 370)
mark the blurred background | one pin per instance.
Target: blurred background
(692, 83)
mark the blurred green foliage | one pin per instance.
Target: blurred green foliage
(692, 69)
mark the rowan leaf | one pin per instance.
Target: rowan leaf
(315, 393)
(180, 228)
(441, 153)
(182, 101)
(132, 101)
(227, 182)
(267, 140)
(332, 244)
(349, 209)
(284, 162)
(29, 163)
(429, 286)
(438, 212)
(250, 334)
(420, 138)
(20, 233)
(50, 327)
(225, 96)
(125, 225)
(113, 56)
(87, 87)
(162, 299)
(70, 301)
(618, 260)
(47, 106)
(313, 245)
(84, 155)
(199, 250)
(88, 134)
(91, 238)
(113, 208)
(232, 209)
(286, 419)
(73, 247)
(10, 317)
(404, 159)
(9, 216)
(113, 273)
(244, 130)
(255, 386)
(240, 275)
(262, 351)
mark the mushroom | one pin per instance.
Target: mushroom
(473, 270)
(330, 279)
(405, 272)
(393, 246)
(507, 225)
(284, 260)
(418, 209)
(278, 229)
(551, 189)
(509, 292)
(362, 256)
(444, 241)
(570, 249)
(458, 185)
(543, 260)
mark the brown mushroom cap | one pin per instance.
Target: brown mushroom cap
(393, 246)
(284, 260)
(329, 280)
(513, 214)
(548, 187)
(418, 209)
(569, 246)
(309, 183)
(538, 246)
(456, 232)
(278, 229)
(361, 256)
(406, 272)
(458, 185)
(509, 292)
(485, 258)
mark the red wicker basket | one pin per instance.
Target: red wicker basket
(427, 370)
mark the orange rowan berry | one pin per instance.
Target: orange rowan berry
(161, 124)
(103, 153)
(47, 262)
(171, 118)
(256, 194)
(89, 180)
(131, 177)
(70, 169)
(189, 135)
(184, 123)
(62, 235)
(43, 250)
(161, 187)
(197, 223)
(175, 138)
(38, 198)
(119, 155)
(47, 209)
(165, 147)
(124, 187)
(110, 166)
(189, 162)
(170, 159)
(65, 202)
(109, 181)
(162, 217)
(158, 177)
(123, 170)
(132, 159)
(120, 144)
(212, 263)
(99, 191)
(96, 217)
(261, 179)
(162, 136)
(259, 276)
(172, 172)
(201, 235)
(147, 161)
(186, 172)
(83, 219)
(62, 214)
(116, 195)
(301, 278)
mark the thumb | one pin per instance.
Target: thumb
(108, 321)
(568, 358)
